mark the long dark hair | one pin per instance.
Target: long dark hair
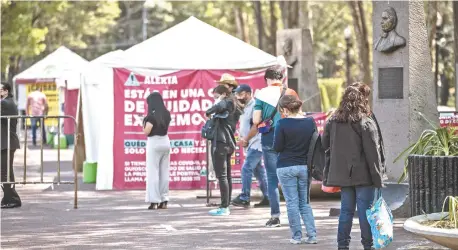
(355, 103)
(157, 109)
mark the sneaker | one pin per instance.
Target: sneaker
(295, 242)
(220, 212)
(273, 222)
(240, 203)
(311, 240)
(264, 203)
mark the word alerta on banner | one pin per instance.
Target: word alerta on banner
(187, 95)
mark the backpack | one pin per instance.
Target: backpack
(316, 157)
(209, 129)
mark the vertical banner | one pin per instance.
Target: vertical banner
(52, 96)
(187, 95)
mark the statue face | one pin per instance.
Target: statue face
(288, 46)
(388, 22)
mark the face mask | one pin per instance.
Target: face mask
(242, 101)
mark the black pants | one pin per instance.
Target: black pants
(10, 195)
(221, 154)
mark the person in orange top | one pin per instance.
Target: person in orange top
(266, 116)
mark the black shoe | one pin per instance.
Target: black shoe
(264, 203)
(240, 203)
(11, 205)
(273, 222)
(153, 206)
(163, 205)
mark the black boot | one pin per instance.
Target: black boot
(153, 206)
(163, 205)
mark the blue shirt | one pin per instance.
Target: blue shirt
(292, 139)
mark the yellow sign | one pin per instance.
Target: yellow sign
(52, 96)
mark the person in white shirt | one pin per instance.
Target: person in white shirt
(251, 141)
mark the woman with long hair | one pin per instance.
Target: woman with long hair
(155, 126)
(292, 138)
(356, 163)
(223, 145)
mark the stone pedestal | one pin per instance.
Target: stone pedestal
(403, 80)
(297, 48)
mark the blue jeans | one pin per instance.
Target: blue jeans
(34, 125)
(270, 162)
(351, 197)
(295, 185)
(253, 164)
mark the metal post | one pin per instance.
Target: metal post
(41, 148)
(24, 178)
(208, 175)
(58, 151)
(8, 150)
(75, 171)
(438, 37)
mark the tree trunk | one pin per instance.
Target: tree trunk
(360, 26)
(273, 28)
(284, 7)
(259, 23)
(304, 15)
(432, 16)
(239, 23)
(455, 18)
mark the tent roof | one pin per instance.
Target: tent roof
(62, 64)
(110, 57)
(193, 44)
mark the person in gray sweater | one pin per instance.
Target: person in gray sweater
(356, 161)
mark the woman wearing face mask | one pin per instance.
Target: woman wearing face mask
(223, 145)
(156, 125)
(292, 137)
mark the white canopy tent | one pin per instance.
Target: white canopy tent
(95, 78)
(189, 45)
(62, 65)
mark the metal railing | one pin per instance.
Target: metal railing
(24, 179)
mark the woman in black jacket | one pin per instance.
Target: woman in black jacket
(356, 161)
(223, 145)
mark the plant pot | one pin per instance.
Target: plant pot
(431, 180)
(444, 237)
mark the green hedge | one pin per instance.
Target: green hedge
(331, 92)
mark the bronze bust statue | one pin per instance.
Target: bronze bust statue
(390, 40)
(290, 57)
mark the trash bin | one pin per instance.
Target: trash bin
(89, 172)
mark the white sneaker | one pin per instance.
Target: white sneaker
(295, 242)
(310, 240)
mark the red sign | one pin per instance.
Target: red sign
(187, 94)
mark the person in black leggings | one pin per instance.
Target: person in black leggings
(223, 145)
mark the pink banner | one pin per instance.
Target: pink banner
(187, 94)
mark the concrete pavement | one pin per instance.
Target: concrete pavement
(120, 220)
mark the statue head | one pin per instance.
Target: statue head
(389, 19)
(288, 46)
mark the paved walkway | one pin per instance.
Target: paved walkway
(120, 220)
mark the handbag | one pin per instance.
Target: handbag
(208, 131)
(266, 126)
(380, 219)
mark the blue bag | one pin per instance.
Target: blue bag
(380, 219)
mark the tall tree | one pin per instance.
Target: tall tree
(455, 31)
(362, 35)
(259, 23)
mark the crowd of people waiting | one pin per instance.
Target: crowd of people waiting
(274, 129)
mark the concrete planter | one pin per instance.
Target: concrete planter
(431, 179)
(444, 237)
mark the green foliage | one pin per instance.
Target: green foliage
(438, 141)
(334, 90)
(325, 103)
(452, 210)
(30, 28)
